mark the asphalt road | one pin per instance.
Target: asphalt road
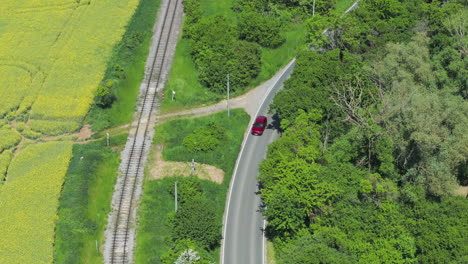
(243, 234)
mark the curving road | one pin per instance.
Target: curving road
(243, 223)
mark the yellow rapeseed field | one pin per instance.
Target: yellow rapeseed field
(29, 200)
(53, 55)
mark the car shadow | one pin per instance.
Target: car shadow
(275, 123)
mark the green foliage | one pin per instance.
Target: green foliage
(440, 230)
(196, 220)
(428, 126)
(291, 187)
(188, 188)
(217, 52)
(246, 63)
(104, 96)
(315, 27)
(193, 14)
(261, 28)
(308, 249)
(8, 138)
(85, 202)
(205, 139)
(391, 170)
(158, 223)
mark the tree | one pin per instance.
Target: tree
(103, 95)
(428, 126)
(457, 26)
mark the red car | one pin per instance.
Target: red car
(259, 125)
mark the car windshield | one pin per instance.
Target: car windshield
(258, 125)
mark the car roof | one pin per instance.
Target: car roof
(260, 119)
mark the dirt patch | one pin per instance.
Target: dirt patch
(162, 168)
(85, 132)
(462, 190)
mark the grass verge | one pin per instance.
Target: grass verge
(158, 203)
(270, 253)
(85, 201)
(126, 68)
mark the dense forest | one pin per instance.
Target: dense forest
(374, 142)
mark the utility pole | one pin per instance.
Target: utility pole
(107, 134)
(192, 169)
(229, 114)
(175, 197)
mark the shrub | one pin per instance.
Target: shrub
(263, 29)
(188, 188)
(205, 138)
(246, 64)
(196, 220)
(104, 96)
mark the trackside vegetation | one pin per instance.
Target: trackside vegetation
(116, 95)
(374, 149)
(85, 201)
(196, 227)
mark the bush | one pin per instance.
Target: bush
(205, 138)
(263, 29)
(246, 64)
(104, 96)
(196, 220)
(188, 188)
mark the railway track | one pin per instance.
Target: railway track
(120, 232)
